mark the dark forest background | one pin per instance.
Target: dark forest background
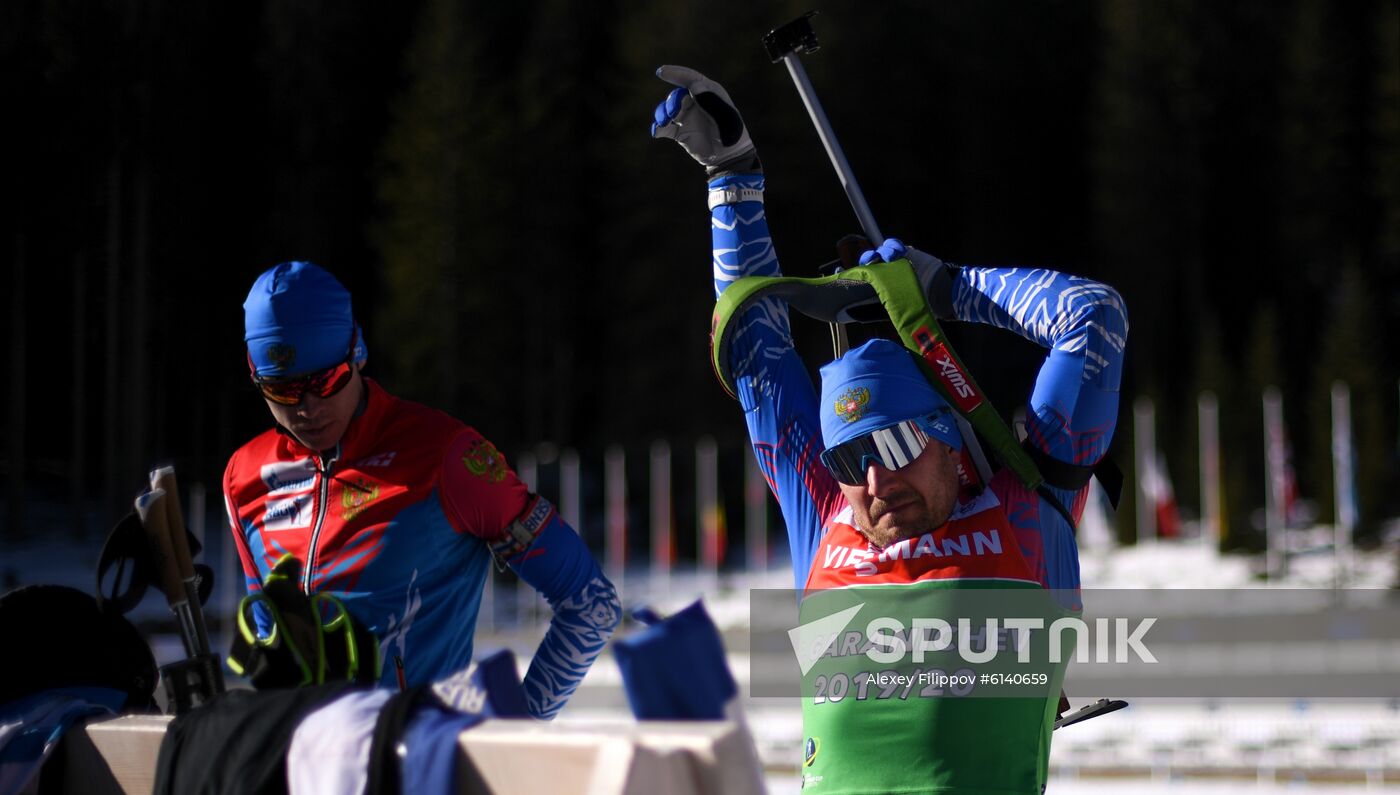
(522, 254)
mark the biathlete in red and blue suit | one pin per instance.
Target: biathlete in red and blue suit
(397, 509)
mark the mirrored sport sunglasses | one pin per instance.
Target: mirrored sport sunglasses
(323, 383)
(893, 448)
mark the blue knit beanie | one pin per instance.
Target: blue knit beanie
(877, 385)
(297, 319)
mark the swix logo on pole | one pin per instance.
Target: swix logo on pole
(957, 382)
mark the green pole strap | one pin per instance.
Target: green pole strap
(898, 290)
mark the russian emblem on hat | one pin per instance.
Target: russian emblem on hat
(850, 405)
(282, 355)
(297, 319)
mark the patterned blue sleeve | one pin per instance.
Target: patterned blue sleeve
(1074, 406)
(586, 611)
(774, 389)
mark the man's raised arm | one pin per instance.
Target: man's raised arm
(1072, 410)
(774, 389)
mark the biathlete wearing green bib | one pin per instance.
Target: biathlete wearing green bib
(945, 737)
(877, 424)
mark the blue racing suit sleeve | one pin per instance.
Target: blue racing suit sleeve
(525, 532)
(1073, 407)
(774, 389)
(549, 555)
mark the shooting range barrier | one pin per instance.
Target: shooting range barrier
(503, 757)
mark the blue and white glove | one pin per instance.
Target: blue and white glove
(700, 116)
(934, 274)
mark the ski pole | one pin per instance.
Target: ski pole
(783, 44)
(198, 678)
(150, 511)
(163, 479)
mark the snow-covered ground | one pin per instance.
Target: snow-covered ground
(1187, 563)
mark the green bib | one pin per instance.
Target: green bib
(930, 726)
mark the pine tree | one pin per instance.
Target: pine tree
(444, 234)
(1384, 143)
(570, 166)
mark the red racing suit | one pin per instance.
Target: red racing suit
(401, 521)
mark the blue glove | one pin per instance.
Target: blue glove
(889, 251)
(935, 275)
(700, 116)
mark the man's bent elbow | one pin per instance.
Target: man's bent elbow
(1098, 328)
(1110, 311)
